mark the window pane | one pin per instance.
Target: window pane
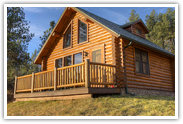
(137, 54)
(96, 56)
(82, 32)
(144, 68)
(67, 38)
(144, 56)
(59, 63)
(67, 61)
(78, 58)
(138, 67)
(138, 31)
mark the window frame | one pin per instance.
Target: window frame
(102, 53)
(78, 31)
(136, 29)
(72, 59)
(69, 25)
(148, 74)
(75, 54)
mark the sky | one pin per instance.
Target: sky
(40, 18)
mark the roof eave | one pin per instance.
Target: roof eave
(35, 61)
(167, 53)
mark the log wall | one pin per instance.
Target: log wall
(97, 37)
(162, 70)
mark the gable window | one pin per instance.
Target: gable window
(59, 63)
(67, 61)
(77, 58)
(138, 31)
(141, 61)
(82, 31)
(67, 38)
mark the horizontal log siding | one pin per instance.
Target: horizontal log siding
(161, 70)
(97, 37)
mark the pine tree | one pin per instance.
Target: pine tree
(46, 34)
(162, 29)
(133, 16)
(34, 67)
(151, 20)
(18, 38)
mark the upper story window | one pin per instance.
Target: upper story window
(67, 38)
(138, 31)
(82, 31)
(141, 61)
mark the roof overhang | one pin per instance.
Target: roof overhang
(169, 54)
(52, 36)
(56, 32)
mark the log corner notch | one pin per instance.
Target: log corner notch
(87, 73)
(56, 34)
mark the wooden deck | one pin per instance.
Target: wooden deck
(70, 93)
(82, 79)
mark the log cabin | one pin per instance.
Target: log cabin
(86, 55)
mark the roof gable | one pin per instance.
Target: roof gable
(139, 21)
(115, 29)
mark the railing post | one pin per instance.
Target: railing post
(15, 86)
(55, 78)
(32, 83)
(87, 73)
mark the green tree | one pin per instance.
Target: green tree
(18, 38)
(151, 20)
(34, 67)
(133, 16)
(162, 29)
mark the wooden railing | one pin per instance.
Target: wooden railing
(88, 74)
(43, 80)
(24, 83)
(102, 75)
(71, 76)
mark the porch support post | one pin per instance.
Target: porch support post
(32, 83)
(55, 78)
(15, 86)
(87, 73)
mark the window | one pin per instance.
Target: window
(138, 31)
(82, 32)
(141, 61)
(59, 63)
(67, 61)
(96, 56)
(67, 38)
(77, 58)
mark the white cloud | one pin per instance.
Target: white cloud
(38, 31)
(33, 9)
(56, 8)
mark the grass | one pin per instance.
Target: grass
(102, 106)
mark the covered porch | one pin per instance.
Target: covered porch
(75, 81)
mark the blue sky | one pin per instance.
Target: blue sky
(40, 17)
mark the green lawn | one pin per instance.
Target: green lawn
(103, 106)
